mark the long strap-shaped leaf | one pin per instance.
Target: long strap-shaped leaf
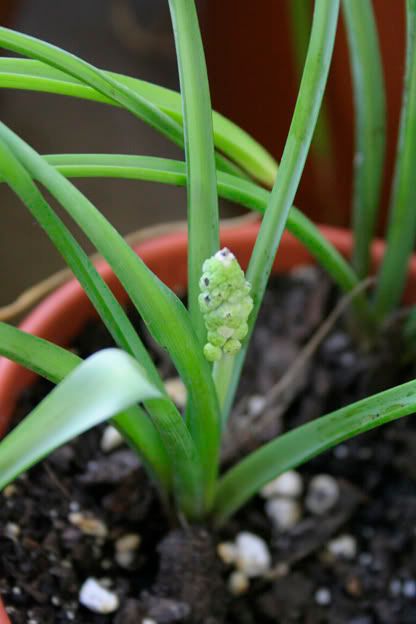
(164, 314)
(100, 295)
(370, 127)
(107, 306)
(106, 383)
(401, 232)
(230, 187)
(203, 218)
(55, 363)
(231, 140)
(297, 145)
(298, 446)
(92, 76)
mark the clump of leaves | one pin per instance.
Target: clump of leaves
(181, 452)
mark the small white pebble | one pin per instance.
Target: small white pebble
(238, 583)
(252, 556)
(284, 513)
(288, 485)
(125, 559)
(32, 621)
(96, 598)
(12, 530)
(74, 506)
(70, 615)
(323, 494)
(148, 621)
(395, 587)
(126, 547)
(256, 404)
(9, 490)
(128, 542)
(176, 391)
(111, 439)
(88, 524)
(323, 597)
(409, 588)
(341, 451)
(227, 552)
(55, 601)
(343, 547)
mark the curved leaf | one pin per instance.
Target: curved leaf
(299, 445)
(203, 217)
(231, 140)
(55, 363)
(166, 317)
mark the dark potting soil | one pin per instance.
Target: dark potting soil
(61, 523)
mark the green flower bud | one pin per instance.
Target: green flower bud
(225, 303)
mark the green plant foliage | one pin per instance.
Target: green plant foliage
(182, 451)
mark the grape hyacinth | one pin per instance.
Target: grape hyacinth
(225, 303)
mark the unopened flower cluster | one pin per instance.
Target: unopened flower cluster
(225, 303)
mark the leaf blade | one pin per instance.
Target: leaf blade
(157, 304)
(55, 363)
(301, 444)
(203, 218)
(229, 138)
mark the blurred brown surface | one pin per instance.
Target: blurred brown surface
(253, 81)
(55, 124)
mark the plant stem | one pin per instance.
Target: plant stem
(222, 373)
(370, 127)
(293, 160)
(299, 445)
(401, 231)
(203, 235)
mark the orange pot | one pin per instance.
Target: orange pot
(61, 316)
(254, 82)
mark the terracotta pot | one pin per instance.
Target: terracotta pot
(254, 82)
(62, 315)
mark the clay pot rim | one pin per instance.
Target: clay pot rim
(53, 317)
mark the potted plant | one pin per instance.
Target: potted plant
(207, 341)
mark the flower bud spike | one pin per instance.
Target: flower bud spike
(225, 304)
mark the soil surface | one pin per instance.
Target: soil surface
(65, 520)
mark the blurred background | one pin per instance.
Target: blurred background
(254, 74)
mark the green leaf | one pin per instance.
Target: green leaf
(370, 127)
(163, 313)
(88, 74)
(94, 391)
(299, 445)
(203, 235)
(55, 363)
(242, 192)
(114, 377)
(297, 145)
(300, 14)
(107, 306)
(401, 231)
(231, 140)
(100, 295)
